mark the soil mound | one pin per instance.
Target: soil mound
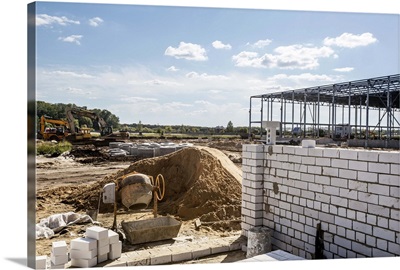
(200, 182)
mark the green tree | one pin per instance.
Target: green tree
(229, 127)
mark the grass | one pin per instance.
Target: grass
(52, 149)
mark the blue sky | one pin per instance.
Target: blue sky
(199, 66)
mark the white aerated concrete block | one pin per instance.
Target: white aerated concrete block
(59, 259)
(55, 266)
(115, 251)
(84, 263)
(85, 244)
(59, 248)
(41, 262)
(113, 237)
(83, 254)
(103, 242)
(96, 232)
(103, 250)
(102, 258)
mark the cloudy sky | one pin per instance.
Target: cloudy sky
(199, 66)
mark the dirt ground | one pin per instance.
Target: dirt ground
(202, 182)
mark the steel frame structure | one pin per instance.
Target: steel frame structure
(370, 107)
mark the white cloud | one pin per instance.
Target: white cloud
(77, 91)
(70, 74)
(247, 59)
(96, 21)
(261, 43)
(187, 51)
(137, 99)
(161, 82)
(345, 69)
(348, 40)
(219, 45)
(172, 68)
(205, 76)
(285, 57)
(44, 19)
(73, 39)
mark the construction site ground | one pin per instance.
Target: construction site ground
(58, 179)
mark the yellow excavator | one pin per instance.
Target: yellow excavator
(58, 132)
(98, 122)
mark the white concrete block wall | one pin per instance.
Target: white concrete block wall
(352, 193)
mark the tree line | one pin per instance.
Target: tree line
(57, 111)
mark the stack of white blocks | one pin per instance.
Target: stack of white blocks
(83, 252)
(41, 262)
(115, 245)
(59, 255)
(98, 245)
(103, 244)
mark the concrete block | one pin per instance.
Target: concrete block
(82, 263)
(379, 167)
(358, 165)
(331, 153)
(201, 251)
(329, 171)
(181, 254)
(387, 179)
(161, 256)
(367, 177)
(348, 154)
(59, 248)
(113, 237)
(391, 202)
(41, 262)
(102, 258)
(103, 250)
(358, 206)
(316, 152)
(85, 244)
(138, 258)
(96, 232)
(83, 254)
(378, 189)
(348, 174)
(389, 157)
(59, 259)
(383, 233)
(340, 163)
(56, 266)
(299, 151)
(342, 242)
(103, 242)
(115, 250)
(323, 161)
(371, 156)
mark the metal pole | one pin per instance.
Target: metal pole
(333, 111)
(305, 113)
(388, 113)
(367, 116)
(280, 124)
(318, 109)
(249, 131)
(292, 112)
(349, 135)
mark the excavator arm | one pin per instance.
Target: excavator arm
(97, 119)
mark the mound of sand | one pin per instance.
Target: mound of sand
(200, 182)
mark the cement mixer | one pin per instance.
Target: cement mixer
(136, 191)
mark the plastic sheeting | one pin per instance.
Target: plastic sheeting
(47, 227)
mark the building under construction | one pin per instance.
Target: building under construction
(363, 111)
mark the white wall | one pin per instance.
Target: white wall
(353, 193)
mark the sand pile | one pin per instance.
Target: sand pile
(200, 183)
